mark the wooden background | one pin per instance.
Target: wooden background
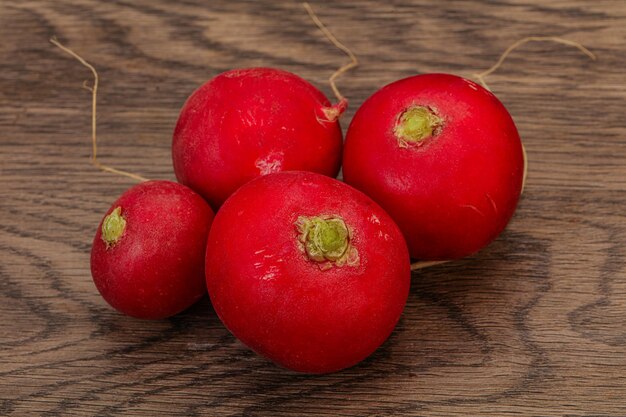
(535, 324)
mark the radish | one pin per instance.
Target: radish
(245, 123)
(147, 258)
(442, 155)
(307, 271)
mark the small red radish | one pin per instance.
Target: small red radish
(147, 259)
(245, 123)
(442, 155)
(307, 271)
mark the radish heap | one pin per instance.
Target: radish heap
(442, 155)
(147, 258)
(307, 271)
(245, 123)
(304, 269)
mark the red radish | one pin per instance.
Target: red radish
(307, 271)
(245, 123)
(442, 155)
(147, 259)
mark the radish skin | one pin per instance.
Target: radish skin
(147, 258)
(442, 155)
(307, 271)
(246, 123)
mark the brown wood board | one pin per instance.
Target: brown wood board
(535, 324)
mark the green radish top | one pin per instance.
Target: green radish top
(326, 240)
(416, 124)
(113, 227)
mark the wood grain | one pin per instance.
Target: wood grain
(535, 324)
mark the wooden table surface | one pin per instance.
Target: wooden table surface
(535, 324)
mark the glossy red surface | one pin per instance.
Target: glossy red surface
(279, 302)
(156, 269)
(457, 190)
(246, 123)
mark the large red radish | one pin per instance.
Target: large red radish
(307, 271)
(147, 258)
(442, 155)
(245, 123)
